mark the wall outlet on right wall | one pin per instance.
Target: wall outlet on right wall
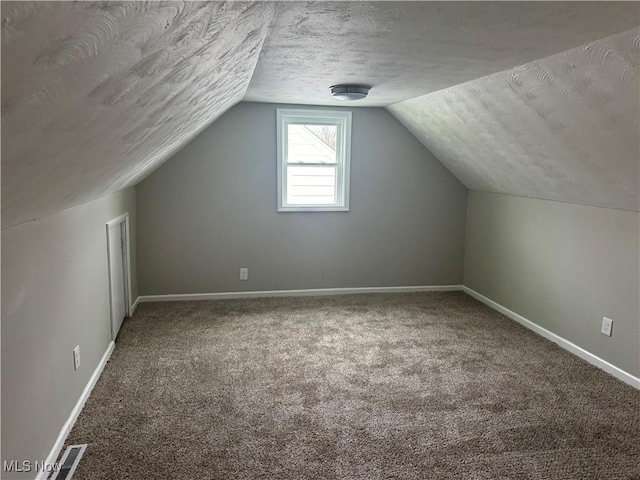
(607, 324)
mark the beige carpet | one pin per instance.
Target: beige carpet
(402, 386)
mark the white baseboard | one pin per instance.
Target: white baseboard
(566, 344)
(68, 425)
(294, 293)
(134, 306)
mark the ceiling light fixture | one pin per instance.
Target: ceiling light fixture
(349, 92)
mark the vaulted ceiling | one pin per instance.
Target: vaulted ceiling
(97, 95)
(562, 128)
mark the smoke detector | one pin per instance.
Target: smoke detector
(349, 92)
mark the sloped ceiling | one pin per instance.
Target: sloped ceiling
(562, 128)
(95, 95)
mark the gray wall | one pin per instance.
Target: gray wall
(563, 266)
(211, 209)
(55, 295)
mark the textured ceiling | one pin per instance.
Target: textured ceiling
(407, 49)
(97, 94)
(94, 95)
(562, 128)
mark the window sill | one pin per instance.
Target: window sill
(332, 208)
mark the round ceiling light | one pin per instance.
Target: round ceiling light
(349, 92)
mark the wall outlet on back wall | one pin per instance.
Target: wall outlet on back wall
(244, 274)
(607, 325)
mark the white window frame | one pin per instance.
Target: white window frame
(342, 120)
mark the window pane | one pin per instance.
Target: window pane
(309, 185)
(311, 143)
(313, 160)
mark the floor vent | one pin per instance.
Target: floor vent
(69, 462)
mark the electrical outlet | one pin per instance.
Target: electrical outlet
(76, 357)
(244, 274)
(607, 324)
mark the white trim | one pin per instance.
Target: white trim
(124, 218)
(566, 344)
(128, 265)
(68, 425)
(180, 297)
(135, 305)
(118, 219)
(342, 120)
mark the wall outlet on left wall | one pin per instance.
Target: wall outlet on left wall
(76, 357)
(607, 325)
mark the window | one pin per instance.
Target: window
(313, 160)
